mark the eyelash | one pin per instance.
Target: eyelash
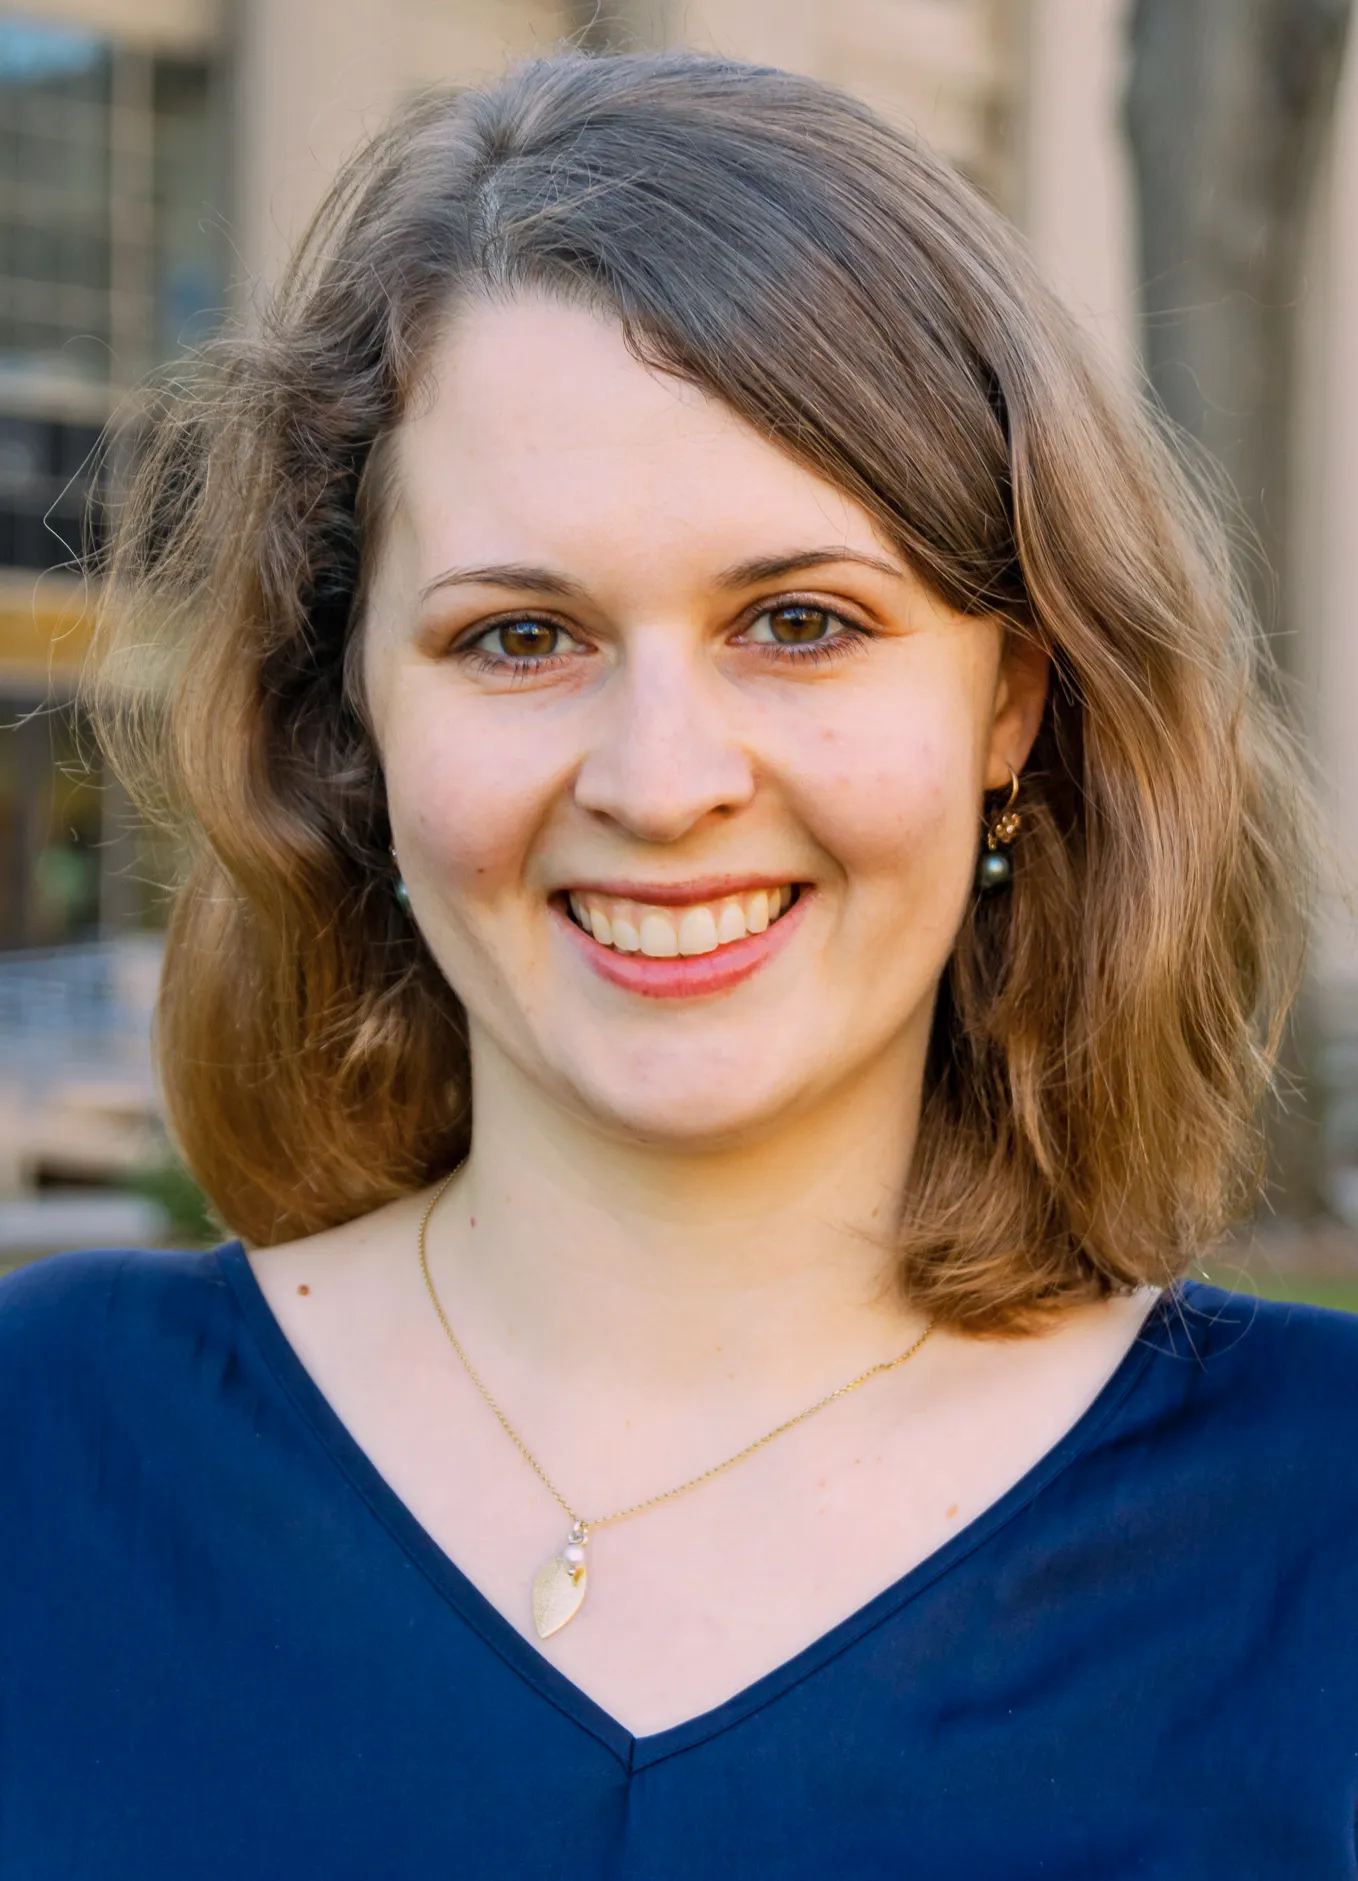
(850, 638)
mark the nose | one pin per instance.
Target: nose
(666, 754)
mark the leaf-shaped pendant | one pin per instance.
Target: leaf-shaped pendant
(559, 1587)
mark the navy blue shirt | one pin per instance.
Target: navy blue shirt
(228, 1650)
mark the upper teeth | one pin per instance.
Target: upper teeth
(639, 927)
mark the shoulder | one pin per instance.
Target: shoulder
(103, 1358)
(115, 1369)
(1265, 1393)
(89, 1311)
(1278, 1351)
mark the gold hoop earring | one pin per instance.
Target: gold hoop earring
(994, 865)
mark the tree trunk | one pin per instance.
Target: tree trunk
(1228, 106)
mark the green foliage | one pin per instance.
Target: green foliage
(192, 1221)
(1323, 1291)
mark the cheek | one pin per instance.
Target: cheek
(890, 793)
(465, 801)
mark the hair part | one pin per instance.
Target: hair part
(1104, 1033)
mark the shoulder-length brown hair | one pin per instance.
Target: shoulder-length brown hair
(1104, 1032)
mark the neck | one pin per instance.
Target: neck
(768, 1259)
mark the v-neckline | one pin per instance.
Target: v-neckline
(637, 1753)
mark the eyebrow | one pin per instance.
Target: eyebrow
(520, 577)
(513, 575)
(771, 567)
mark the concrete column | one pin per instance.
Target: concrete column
(1326, 524)
(1076, 203)
(313, 78)
(790, 33)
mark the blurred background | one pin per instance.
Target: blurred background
(1186, 172)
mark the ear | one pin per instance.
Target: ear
(1020, 697)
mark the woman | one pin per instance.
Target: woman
(739, 902)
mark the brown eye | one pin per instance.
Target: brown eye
(523, 640)
(792, 626)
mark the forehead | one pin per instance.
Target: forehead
(540, 431)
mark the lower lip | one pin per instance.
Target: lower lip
(692, 976)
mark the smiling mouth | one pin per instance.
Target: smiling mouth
(670, 933)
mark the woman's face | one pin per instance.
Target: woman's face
(634, 670)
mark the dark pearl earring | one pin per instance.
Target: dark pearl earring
(399, 889)
(993, 870)
(994, 865)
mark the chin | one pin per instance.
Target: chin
(701, 1114)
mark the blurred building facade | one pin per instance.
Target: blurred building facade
(159, 157)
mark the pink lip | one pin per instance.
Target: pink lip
(680, 894)
(693, 977)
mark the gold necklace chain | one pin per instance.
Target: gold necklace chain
(549, 1599)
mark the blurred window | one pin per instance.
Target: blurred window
(50, 816)
(112, 260)
(44, 481)
(111, 256)
(56, 139)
